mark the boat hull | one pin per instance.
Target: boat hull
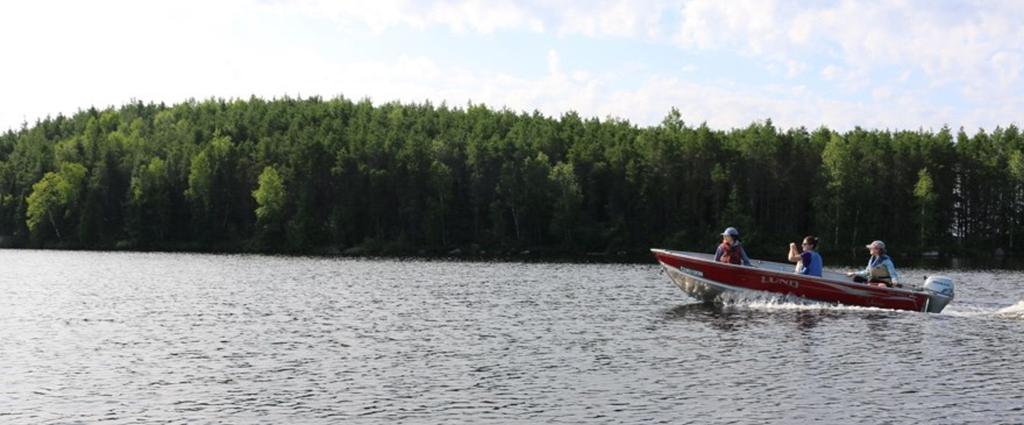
(699, 276)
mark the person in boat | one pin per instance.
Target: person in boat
(807, 261)
(880, 270)
(731, 249)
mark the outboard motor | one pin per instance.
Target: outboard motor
(940, 290)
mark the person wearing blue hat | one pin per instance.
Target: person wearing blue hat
(880, 270)
(731, 249)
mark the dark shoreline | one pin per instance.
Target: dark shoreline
(833, 260)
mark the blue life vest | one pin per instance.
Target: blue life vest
(815, 266)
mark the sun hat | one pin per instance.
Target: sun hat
(876, 244)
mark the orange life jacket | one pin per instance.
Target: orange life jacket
(731, 253)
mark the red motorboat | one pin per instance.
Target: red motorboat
(700, 276)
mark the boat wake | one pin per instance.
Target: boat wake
(1015, 311)
(764, 301)
(1012, 312)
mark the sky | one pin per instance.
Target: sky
(902, 64)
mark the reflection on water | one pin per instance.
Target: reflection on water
(803, 315)
(157, 338)
(694, 310)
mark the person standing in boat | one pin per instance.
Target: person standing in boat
(880, 270)
(809, 261)
(731, 249)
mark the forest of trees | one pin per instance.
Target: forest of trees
(339, 176)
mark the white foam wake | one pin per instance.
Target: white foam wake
(763, 301)
(1015, 311)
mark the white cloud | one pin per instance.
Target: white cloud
(483, 17)
(830, 72)
(376, 15)
(794, 68)
(905, 76)
(857, 39)
(725, 105)
(751, 25)
(85, 55)
(959, 44)
(554, 63)
(462, 17)
(1008, 66)
(608, 19)
(107, 52)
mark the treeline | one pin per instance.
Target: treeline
(314, 175)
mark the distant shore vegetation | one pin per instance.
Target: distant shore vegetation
(349, 177)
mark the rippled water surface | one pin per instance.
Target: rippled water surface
(179, 338)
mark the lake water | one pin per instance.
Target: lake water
(87, 337)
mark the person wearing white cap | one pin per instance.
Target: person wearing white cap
(731, 249)
(880, 270)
